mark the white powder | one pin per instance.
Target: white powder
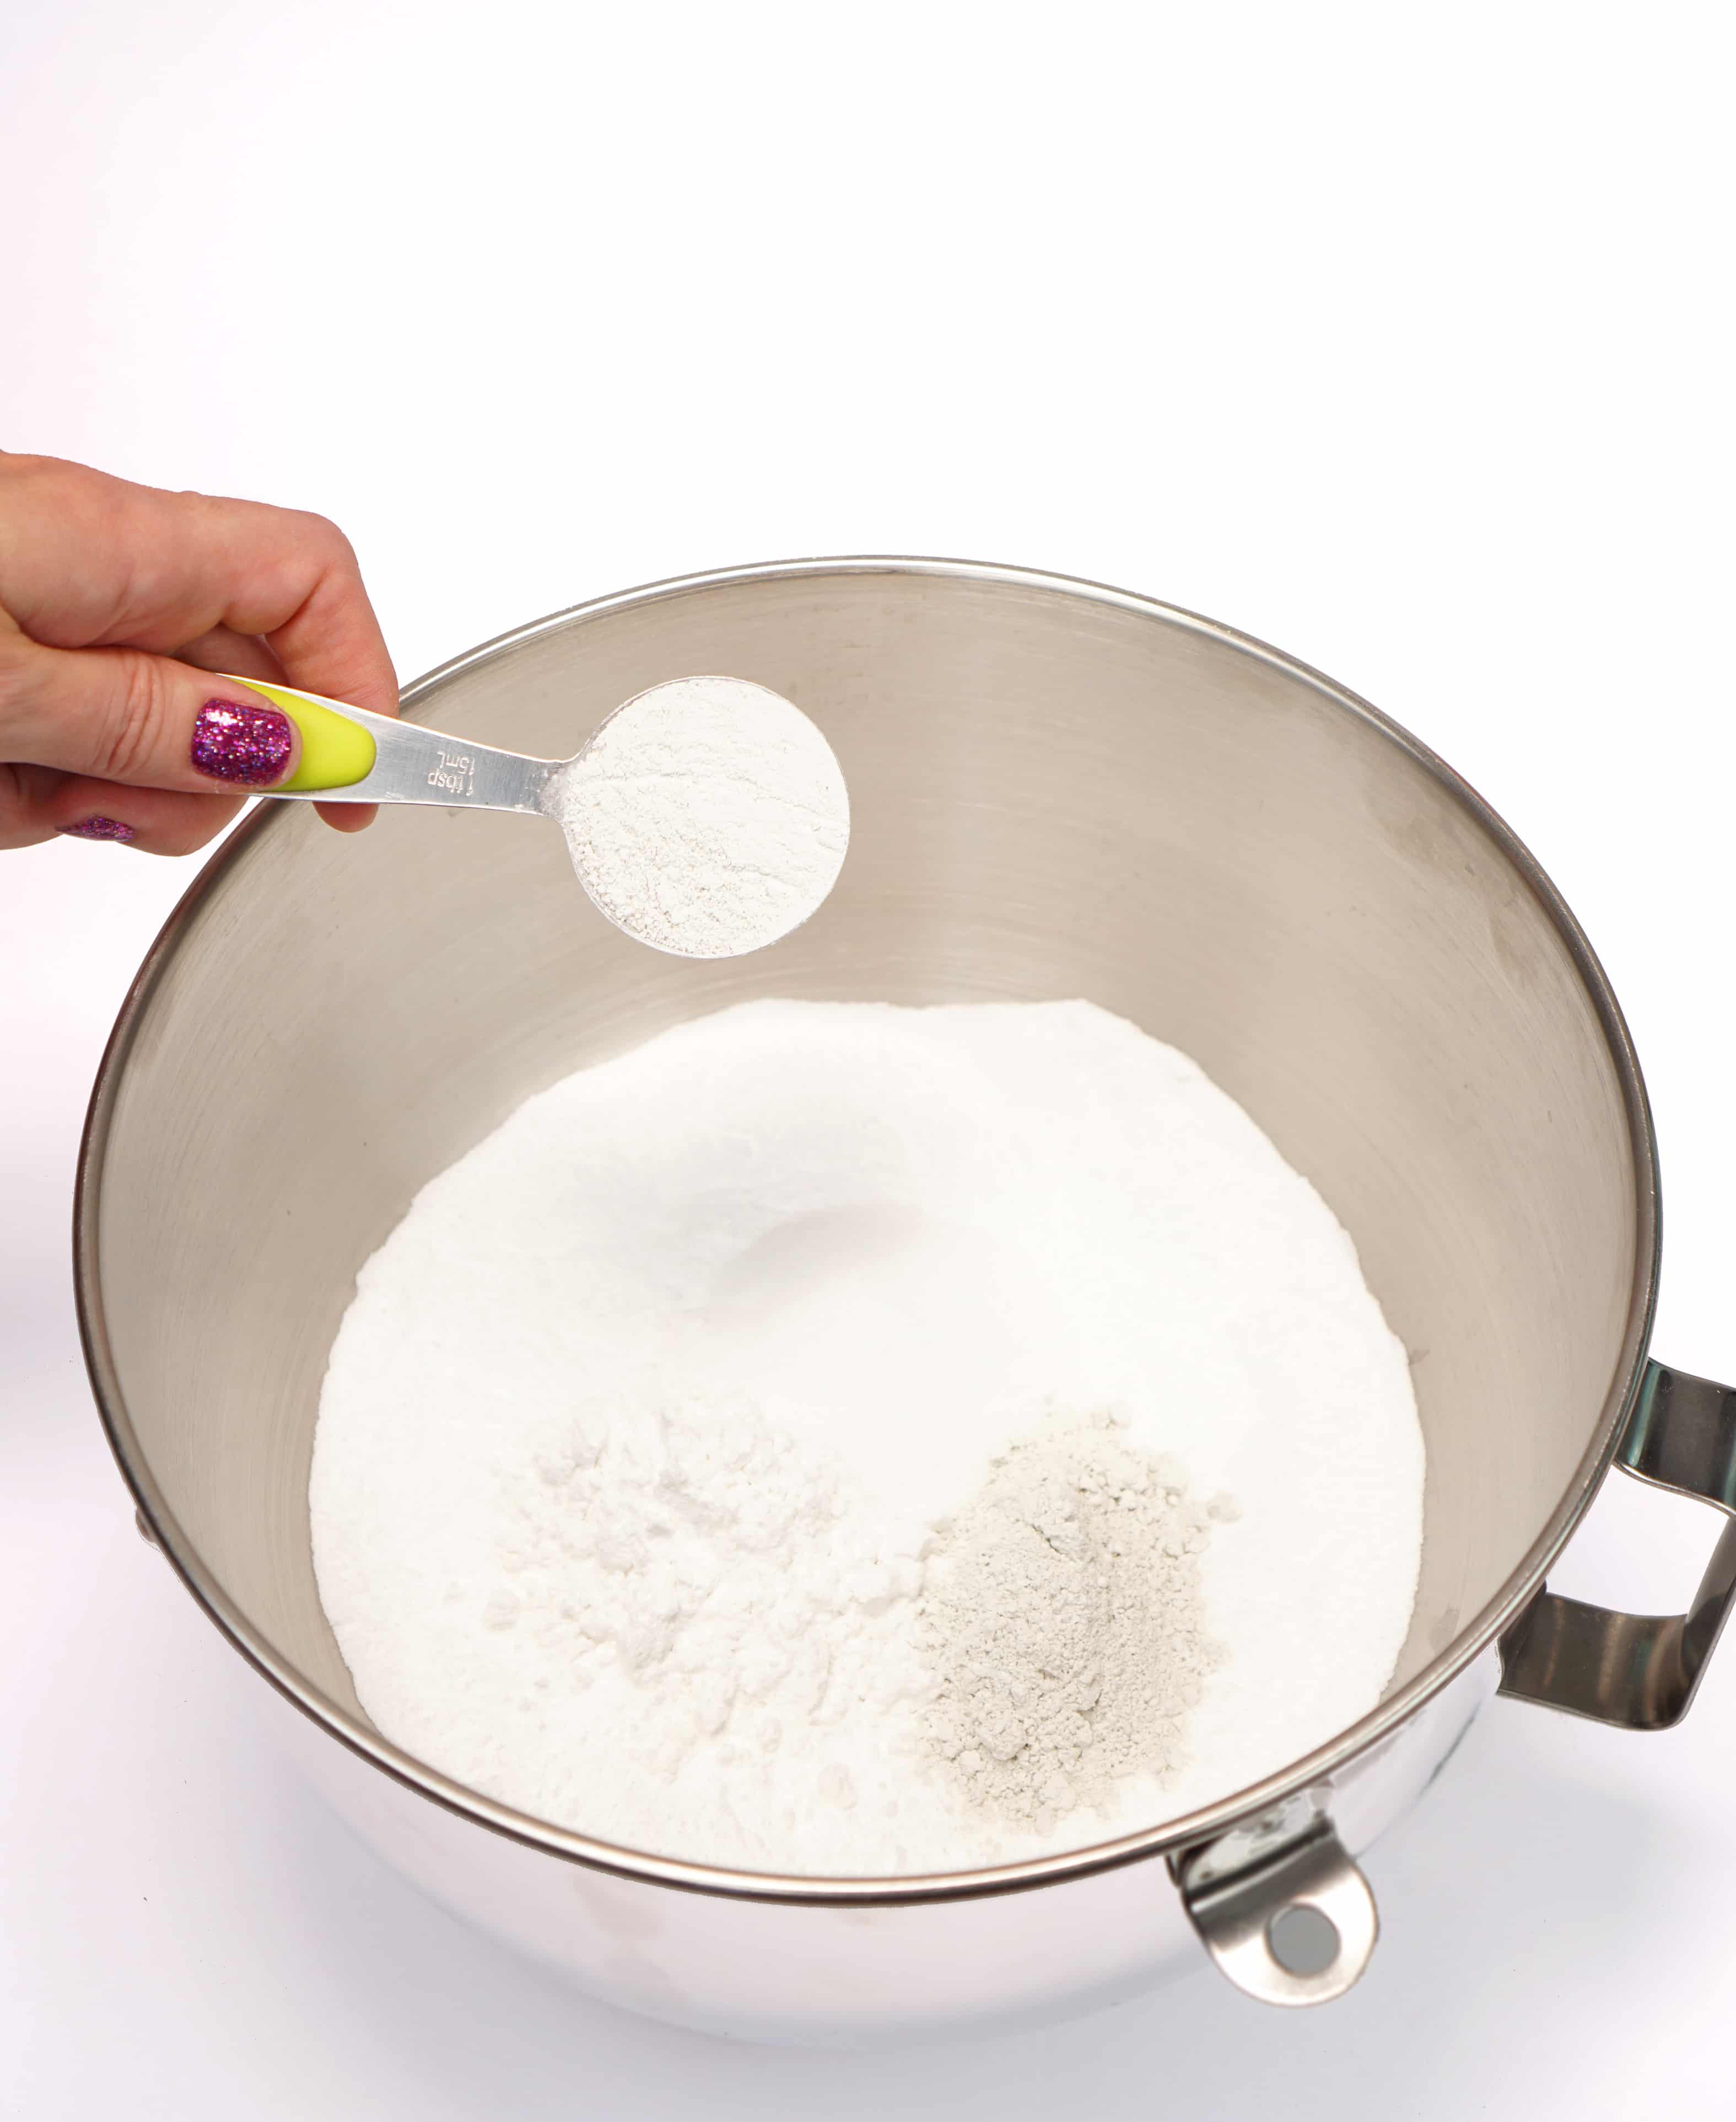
(706, 817)
(638, 1442)
(692, 1593)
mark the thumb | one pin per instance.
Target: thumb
(120, 714)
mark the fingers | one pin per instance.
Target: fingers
(348, 817)
(90, 562)
(98, 570)
(248, 657)
(36, 804)
(150, 722)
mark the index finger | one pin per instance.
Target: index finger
(298, 586)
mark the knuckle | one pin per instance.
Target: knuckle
(132, 729)
(329, 541)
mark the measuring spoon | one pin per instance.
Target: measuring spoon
(707, 816)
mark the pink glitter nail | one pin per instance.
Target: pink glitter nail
(101, 829)
(233, 741)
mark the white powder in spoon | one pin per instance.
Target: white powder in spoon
(706, 817)
(654, 1488)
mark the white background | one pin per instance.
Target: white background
(1399, 336)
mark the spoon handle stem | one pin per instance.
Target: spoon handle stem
(350, 756)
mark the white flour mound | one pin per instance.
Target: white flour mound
(685, 1586)
(706, 817)
(655, 1490)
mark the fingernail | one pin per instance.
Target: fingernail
(233, 741)
(101, 829)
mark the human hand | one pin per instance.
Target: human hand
(115, 599)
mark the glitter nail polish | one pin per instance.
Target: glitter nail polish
(101, 829)
(233, 741)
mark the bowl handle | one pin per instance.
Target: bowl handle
(1286, 1871)
(1639, 1670)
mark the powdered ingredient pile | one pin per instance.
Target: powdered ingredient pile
(804, 1444)
(1062, 1621)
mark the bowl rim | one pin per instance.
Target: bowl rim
(1188, 1830)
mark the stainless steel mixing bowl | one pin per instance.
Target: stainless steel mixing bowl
(1058, 790)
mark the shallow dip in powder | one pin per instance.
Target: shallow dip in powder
(838, 1439)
